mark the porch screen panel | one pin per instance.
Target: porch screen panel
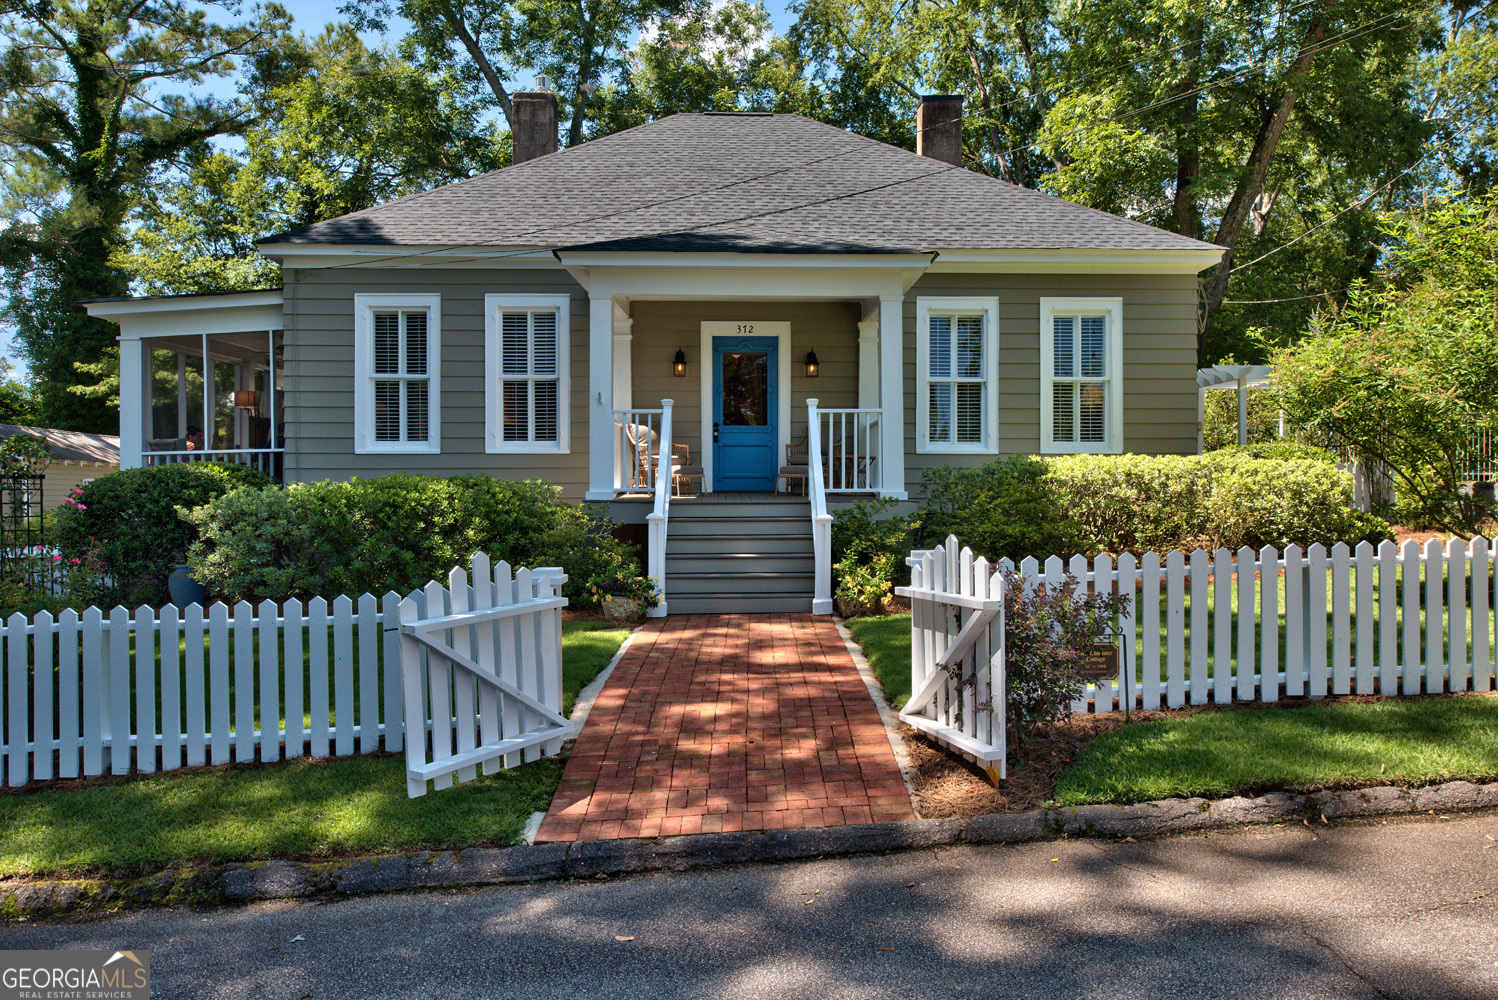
(530, 375)
(958, 379)
(402, 381)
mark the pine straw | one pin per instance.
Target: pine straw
(948, 784)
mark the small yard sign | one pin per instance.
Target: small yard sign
(1101, 663)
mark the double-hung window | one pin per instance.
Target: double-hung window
(957, 362)
(1081, 375)
(397, 353)
(526, 399)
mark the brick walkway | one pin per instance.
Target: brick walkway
(728, 722)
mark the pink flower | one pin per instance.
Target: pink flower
(57, 558)
(75, 562)
(83, 507)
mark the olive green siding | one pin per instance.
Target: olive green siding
(1159, 364)
(319, 310)
(1159, 359)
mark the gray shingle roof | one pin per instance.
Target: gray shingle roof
(740, 182)
(74, 446)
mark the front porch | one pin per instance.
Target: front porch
(741, 421)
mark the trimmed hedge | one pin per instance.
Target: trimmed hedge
(1020, 507)
(396, 533)
(133, 518)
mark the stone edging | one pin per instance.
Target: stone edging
(239, 883)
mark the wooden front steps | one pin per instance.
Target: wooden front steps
(739, 553)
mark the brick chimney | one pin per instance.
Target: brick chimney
(938, 128)
(535, 131)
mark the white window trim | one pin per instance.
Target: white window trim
(494, 431)
(1113, 309)
(365, 306)
(924, 307)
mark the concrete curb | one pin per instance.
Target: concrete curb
(241, 883)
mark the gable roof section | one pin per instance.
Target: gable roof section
(737, 182)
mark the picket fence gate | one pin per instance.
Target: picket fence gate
(93, 693)
(486, 657)
(957, 678)
(1219, 627)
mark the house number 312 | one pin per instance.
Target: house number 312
(746, 328)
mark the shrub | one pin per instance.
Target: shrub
(863, 584)
(129, 522)
(1007, 508)
(1048, 632)
(1117, 503)
(860, 535)
(398, 532)
(1137, 502)
(1258, 502)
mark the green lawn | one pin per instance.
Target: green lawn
(886, 645)
(303, 807)
(1413, 741)
(1250, 749)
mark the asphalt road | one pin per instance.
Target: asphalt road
(1407, 908)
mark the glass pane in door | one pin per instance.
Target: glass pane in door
(746, 389)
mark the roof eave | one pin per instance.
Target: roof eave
(1184, 260)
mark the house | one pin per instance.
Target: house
(77, 458)
(764, 273)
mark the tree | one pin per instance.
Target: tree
(580, 44)
(1406, 372)
(339, 128)
(19, 402)
(710, 63)
(86, 120)
(1246, 124)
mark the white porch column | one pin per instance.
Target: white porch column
(600, 397)
(892, 394)
(623, 363)
(1242, 411)
(868, 363)
(135, 400)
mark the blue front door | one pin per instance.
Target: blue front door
(745, 397)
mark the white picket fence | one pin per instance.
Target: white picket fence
(485, 654)
(1218, 627)
(85, 694)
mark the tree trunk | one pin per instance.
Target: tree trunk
(1188, 151)
(486, 68)
(1271, 130)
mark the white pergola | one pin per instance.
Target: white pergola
(1238, 377)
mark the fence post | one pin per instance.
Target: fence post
(415, 712)
(549, 580)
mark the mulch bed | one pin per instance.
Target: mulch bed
(949, 785)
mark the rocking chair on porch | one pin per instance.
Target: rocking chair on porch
(645, 446)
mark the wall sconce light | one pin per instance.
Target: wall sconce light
(679, 364)
(813, 369)
(246, 399)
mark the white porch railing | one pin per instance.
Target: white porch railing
(821, 520)
(852, 449)
(637, 449)
(264, 460)
(658, 518)
(641, 437)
